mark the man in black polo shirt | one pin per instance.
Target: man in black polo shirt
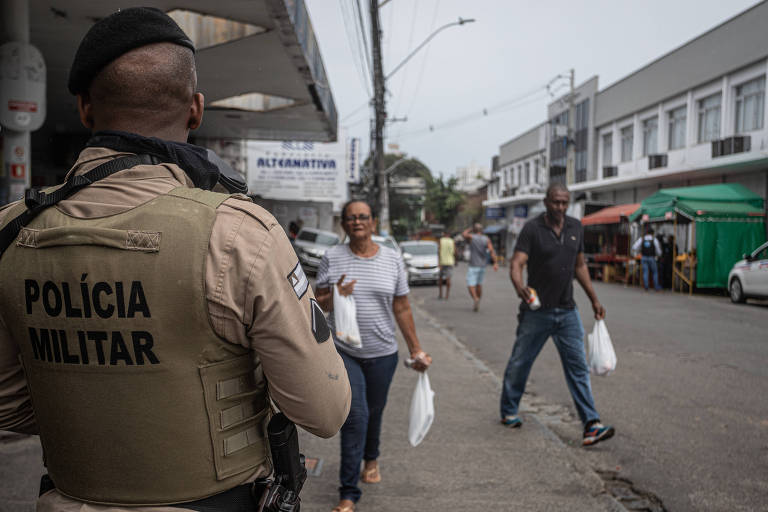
(552, 245)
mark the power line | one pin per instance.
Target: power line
(499, 108)
(361, 27)
(354, 48)
(401, 87)
(424, 61)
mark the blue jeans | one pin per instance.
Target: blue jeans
(649, 262)
(369, 380)
(533, 330)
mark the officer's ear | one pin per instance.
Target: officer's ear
(85, 109)
(196, 111)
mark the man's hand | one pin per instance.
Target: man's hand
(495, 266)
(345, 289)
(599, 310)
(524, 293)
(421, 360)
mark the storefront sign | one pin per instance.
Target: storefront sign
(521, 210)
(299, 171)
(495, 212)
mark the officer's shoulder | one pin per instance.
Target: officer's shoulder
(253, 211)
(5, 209)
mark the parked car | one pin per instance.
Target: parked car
(749, 277)
(310, 245)
(386, 241)
(421, 261)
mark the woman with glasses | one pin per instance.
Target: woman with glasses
(376, 277)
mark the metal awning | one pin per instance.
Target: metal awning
(281, 60)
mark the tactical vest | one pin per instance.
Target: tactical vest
(137, 400)
(647, 247)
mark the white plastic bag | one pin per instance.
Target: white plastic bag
(422, 410)
(600, 355)
(345, 319)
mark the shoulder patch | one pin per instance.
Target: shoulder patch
(298, 280)
(319, 325)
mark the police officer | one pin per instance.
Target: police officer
(158, 324)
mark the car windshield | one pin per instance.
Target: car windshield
(387, 242)
(420, 249)
(761, 255)
(318, 238)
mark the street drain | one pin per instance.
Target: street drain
(628, 495)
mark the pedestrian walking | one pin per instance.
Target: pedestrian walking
(649, 249)
(446, 261)
(552, 246)
(479, 246)
(156, 320)
(376, 277)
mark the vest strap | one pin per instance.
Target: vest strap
(38, 200)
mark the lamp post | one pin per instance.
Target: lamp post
(379, 106)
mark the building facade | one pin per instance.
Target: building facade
(694, 116)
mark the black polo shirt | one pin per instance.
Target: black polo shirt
(551, 260)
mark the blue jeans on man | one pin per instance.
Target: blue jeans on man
(369, 380)
(533, 330)
(649, 263)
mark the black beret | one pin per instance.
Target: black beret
(117, 34)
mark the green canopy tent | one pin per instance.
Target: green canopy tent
(729, 221)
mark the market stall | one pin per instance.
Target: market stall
(607, 242)
(713, 226)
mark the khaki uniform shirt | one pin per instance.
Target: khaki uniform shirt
(250, 302)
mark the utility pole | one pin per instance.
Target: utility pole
(570, 161)
(380, 116)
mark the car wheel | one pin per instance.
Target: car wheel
(736, 291)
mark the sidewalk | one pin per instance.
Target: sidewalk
(468, 461)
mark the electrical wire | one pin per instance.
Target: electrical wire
(535, 96)
(354, 49)
(361, 28)
(425, 59)
(404, 79)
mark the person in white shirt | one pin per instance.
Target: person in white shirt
(649, 249)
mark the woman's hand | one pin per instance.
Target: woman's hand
(421, 360)
(345, 290)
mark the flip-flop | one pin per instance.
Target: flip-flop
(344, 508)
(371, 475)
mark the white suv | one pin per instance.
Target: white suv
(749, 277)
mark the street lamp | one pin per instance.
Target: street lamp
(380, 116)
(461, 21)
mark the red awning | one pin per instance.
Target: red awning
(610, 215)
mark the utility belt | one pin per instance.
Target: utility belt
(243, 498)
(280, 494)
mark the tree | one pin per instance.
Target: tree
(443, 200)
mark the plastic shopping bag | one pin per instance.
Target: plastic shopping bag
(600, 355)
(345, 319)
(422, 410)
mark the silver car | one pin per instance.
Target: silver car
(310, 246)
(421, 261)
(749, 277)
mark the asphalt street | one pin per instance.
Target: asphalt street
(687, 397)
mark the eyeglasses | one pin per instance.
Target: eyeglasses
(362, 218)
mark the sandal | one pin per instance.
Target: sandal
(344, 506)
(371, 475)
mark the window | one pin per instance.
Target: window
(626, 143)
(709, 118)
(536, 169)
(677, 118)
(607, 149)
(750, 99)
(527, 173)
(650, 136)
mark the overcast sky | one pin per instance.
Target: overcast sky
(499, 63)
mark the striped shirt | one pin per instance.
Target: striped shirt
(379, 279)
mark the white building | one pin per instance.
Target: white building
(694, 116)
(472, 177)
